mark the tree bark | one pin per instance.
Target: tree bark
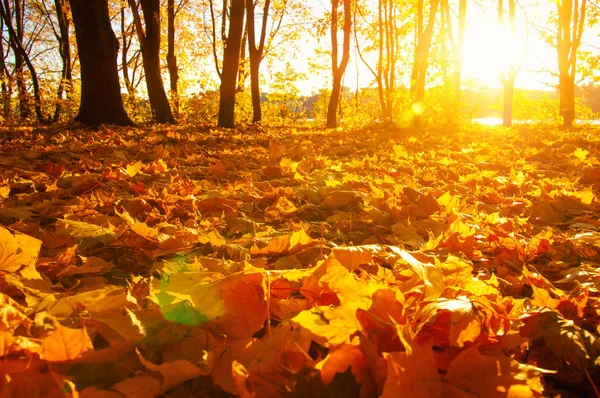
(97, 45)
(64, 49)
(16, 39)
(423, 36)
(508, 79)
(6, 80)
(458, 56)
(231, 61)
(507, 110)
(150, 46)
(571, 20)
(172, 58)
(338, 70)
(24, 102)
(256, 55)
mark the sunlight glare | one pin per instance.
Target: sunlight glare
(489, 51)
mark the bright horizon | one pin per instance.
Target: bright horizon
(486, 53)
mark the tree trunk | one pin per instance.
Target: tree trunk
(571, 20)
(24, 102)
(17, 42)
(255, 88)
(64, 49)
(338, 70)
(458, 56)
(6, 80)
(150, 46)
(509, 89)
(231, 61)
(567, 99)
(97, 46)
(256, 54)
(423, 36)
(508, 79)
(171, 58)
(16, 39)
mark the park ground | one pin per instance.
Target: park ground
(184, 260)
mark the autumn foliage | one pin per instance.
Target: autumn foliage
(290, 263)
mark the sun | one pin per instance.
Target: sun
(489, 50)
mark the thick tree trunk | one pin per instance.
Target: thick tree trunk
(171, 58)
(231, 61)
(97, 46)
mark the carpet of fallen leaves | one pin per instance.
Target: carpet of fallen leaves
(182, 261)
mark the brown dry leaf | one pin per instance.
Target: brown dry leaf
(285, 244)
(176, 372)
(90, 265)
(218, 168)
(352, 257)
(95, 300)
(340, 198)
(344, 357)
(379, 322)
(429, 274)
(270, 370)
(87, 234)
(413, 375)
(474, 374)
(276, 150)
(568, 342)
(65, 344)
(135, 387)
(453, 322)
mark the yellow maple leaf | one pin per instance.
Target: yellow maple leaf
(133, 169)
(581, 154)
(18, 251)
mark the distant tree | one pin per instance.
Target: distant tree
(231, 57)
(423, 37)
(97, 46)
(57, 18)
(171, 57)
(130, 64)
(570, 21)
(256, 51)
(16, 36)
(64, 48)
(6, 79)
(507, 77)
(456, 43)
(338, 69)
(149, 39)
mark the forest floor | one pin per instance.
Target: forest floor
(184, 262)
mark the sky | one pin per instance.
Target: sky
(486, 50)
